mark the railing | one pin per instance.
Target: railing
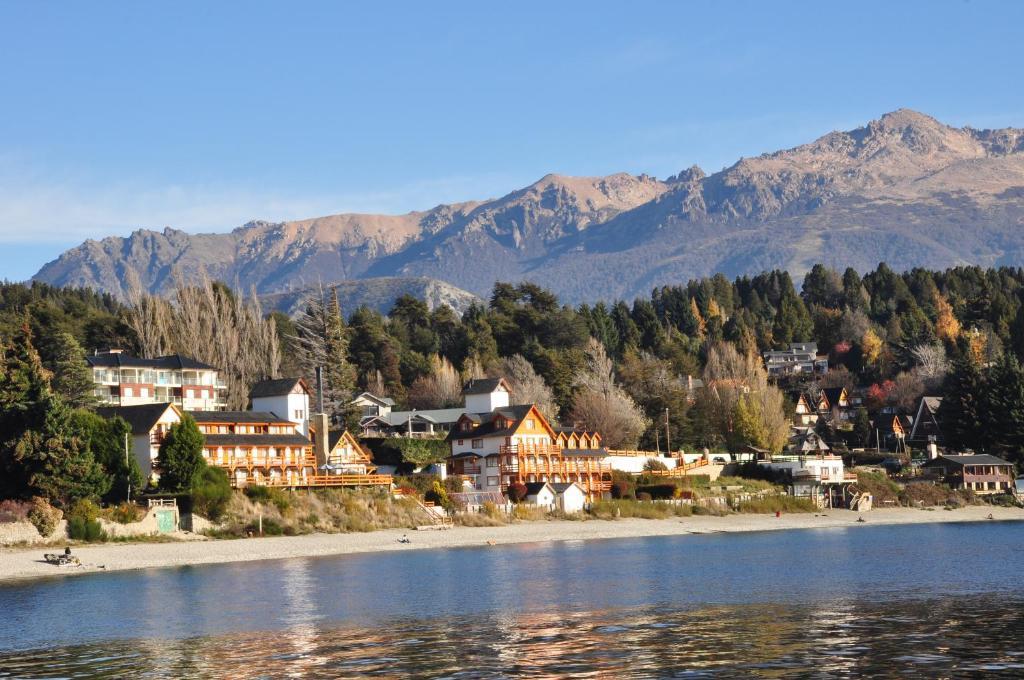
(643, 454)
(318, 481)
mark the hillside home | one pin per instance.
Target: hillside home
(120, 379)
(981, 473)
(149, 424)
(822, 478)
(286, 398)
(345, 455)
(517, 444)
(805, 414)
(834, 401)
(926, 423)
(256, 447)
(798, 358)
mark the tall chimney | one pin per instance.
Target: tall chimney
(319, 389)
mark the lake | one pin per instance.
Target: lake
(939, 600)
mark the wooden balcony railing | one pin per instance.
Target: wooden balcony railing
(307, 481)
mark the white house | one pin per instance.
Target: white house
(120, 379)
(149, 423)
(569, 497)
(286, 398)
(541, 494)
(819, 478)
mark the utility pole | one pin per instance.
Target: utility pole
(668, 436)
(127, 467)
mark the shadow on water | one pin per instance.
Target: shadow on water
(925, 600)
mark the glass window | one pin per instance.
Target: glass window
(478, 443)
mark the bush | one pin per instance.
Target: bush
(43, 516)
(124, 513)
(439, 495)
(653, 464)
(658, 491)
(644, 496)
(517, 492)
(14, 511)
(422, 484)
(83, 522)
(622, 489)
(211, 493)
(270, 528)
(629, 508)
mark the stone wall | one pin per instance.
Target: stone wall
(24, 533)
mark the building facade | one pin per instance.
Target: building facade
(255, 447)
(799, 357)
(149, 423)
(981, 473)
(120, 379)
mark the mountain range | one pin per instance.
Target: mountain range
(904, 189)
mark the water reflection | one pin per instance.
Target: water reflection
(841, 639)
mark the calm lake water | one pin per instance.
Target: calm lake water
(941, 600)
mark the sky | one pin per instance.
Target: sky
(203, 116)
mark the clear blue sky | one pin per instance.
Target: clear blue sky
(202, 116)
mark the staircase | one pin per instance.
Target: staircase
(439, 519)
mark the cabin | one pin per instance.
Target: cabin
(834, 400)
(822, 479)
(981, 473)
(284, 397)
(804, 413)
(890, 430)
(149, 424)
(926, 423)
(806, 441)
(517, 444)
(345, 455)
(256, 447)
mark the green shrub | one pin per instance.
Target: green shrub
(653, 464)
(83, 529)
(211, 493)
(439, 495)
(43, 516)
(612, 509)
(270, 528)
(643, 496)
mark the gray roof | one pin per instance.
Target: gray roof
(237, 417)
(142, 418)
(560, 487)
(387, 401)
(436, 416)
(274, 388)
(256, 440)
(169, 362)
(976, 459)
(482, 385)
(534, 488)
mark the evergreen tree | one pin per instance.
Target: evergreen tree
(106, 440)
(1004, 407)
(321, 341)
(181, 456)
(72, 378)
(962, 414)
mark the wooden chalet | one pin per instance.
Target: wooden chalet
(804, 413)
(517, 444)
(926, 423)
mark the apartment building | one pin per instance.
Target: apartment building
(120, 379)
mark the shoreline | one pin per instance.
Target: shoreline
(26, 564)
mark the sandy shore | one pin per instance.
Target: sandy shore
(16, 564)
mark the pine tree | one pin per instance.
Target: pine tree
(321, 341)
(72, 379)
(1004, 409)
(180, 460)
(962, 414)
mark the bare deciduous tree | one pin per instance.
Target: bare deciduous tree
(932, 364)
(441, 388)
(601, 406)
(208, 322)
(527, 387)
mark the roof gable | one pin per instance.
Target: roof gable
(278, 387)
(485, 386)
(141, 418)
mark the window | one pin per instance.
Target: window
(127, 392)
(299, 414)
(492, 481)
(461, 442)
(190, 394)
(530, 423)
(492, 461)
(478, 443)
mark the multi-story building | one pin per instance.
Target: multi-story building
(821, 478)
(494, 445)
(287, 398)
(257, 447)
(799, 357)
(981, 473)
(123, 380)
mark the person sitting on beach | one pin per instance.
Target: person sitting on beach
(404, 539)
(67, 551)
